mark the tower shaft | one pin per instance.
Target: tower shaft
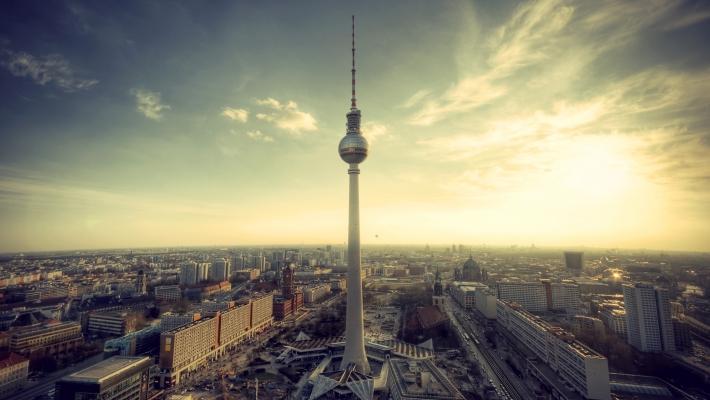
(354, 326)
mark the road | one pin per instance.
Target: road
(46, 384)
(507, 386)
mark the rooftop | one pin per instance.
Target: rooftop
(106, 369)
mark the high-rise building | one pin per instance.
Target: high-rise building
(141, 283)
(353, 150)
(219, 270)
(115, 378)
(188, 273)
(648, 318)
(574, 261)
(203, 271)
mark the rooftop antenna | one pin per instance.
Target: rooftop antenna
(353, 101)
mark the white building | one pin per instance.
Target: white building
(465, 293)
(530, 295)
(486, 303)
(188, 273)
(203, 271)
(315, 293)
(565, 296)
(541, 296)
(583, 369)
(648, 318)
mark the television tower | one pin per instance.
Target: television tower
(353, 150)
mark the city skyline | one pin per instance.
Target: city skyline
(554, 123)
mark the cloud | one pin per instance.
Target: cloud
(149, 103)
(684, 21)
(416, 98)
(257, 135)
(52, 69)
(546, 44)
(373, 131)
(286, 116)
(235, 114)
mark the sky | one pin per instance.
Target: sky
(554, 123)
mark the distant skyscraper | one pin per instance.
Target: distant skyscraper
(648, 318)
(219, 270)
(203, 271)
(188, 273)
(353, 150)
(141, 284)
(574, 261)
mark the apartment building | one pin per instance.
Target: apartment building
(578, 366)
(49, 339)
(648, 318)
(315, 293)
(13, 374)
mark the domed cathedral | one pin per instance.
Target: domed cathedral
(471, 270)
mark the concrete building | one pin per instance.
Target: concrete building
(170, 320)
(315, 293)
(13, 374)
(541, 296)
(111, 323)
(486, 303)
(574, 261)
(581, 368)
(115, 378)
(249, 274)
(47, 339)
(584, 325)
(188, 273)
(529, 295)
(168, 293)
(465, 293)
(137, 343)
(614, 318)
(648, 318)
(187, 347)
(220, 270)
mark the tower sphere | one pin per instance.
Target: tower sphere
(353, 148)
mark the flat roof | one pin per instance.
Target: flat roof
(105, 369)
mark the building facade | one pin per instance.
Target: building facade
(580, 367)
(51, 339)
(648, 318)
(13, 374)
(115, 378)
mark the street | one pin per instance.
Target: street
(506, 385)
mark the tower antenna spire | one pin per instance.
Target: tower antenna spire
(353, 101)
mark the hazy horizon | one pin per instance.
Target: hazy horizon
(558, 123)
